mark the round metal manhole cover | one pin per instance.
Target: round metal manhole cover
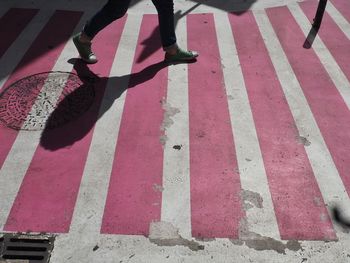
(45, 101)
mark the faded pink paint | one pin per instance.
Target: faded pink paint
(326, 103)
(297, 200)
(338, 44)
(133, 200)
(343, 6)
(329, 108)
(333, 37)
(18, 19)
(34, 62)
(47, 197)
(215, 183)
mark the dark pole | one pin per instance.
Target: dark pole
(319, 14)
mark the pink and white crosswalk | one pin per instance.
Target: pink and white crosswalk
(44, 176)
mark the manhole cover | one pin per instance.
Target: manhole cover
(26, 248)
(45, 101)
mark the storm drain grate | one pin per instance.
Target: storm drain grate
(31, 249)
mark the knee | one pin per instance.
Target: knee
(119, 14)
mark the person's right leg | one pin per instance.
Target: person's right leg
(173, 53)
(112, 10)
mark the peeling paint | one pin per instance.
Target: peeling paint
(167, 122)
(237, 242)
(258, 242)
(158, 188)
(323, 217)
(163, 139)
(268, 243)
(317, 201)
(205, 239)
(251, 199)
(165, 234)
(169, 112)
(303, 140)
(247, 206)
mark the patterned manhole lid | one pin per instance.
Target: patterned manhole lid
(45, 101)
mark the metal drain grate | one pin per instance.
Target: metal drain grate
(31, 249)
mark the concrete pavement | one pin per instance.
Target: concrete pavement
(238, 157)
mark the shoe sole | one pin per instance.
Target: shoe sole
(84, 59)
(179, 61)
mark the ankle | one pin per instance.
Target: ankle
(172, 51)
(84, 38)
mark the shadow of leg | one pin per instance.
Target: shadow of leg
(319, 14)
(338, 217)
(316, 24)
(310, 38)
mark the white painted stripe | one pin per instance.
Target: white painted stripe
(89, 208)
(14, 169)
(14, 54)
(251, 167)
(338, 18)
(18, 160)
(94, 186)
(325, 171)
(336, 74)
(176, 200)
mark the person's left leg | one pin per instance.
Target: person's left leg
(111, 11)
(165, 9)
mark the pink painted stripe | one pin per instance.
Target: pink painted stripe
(327, 105)
(215, 183)
(12, 24)
(335, 40)
(133, 201)
(34, 62)
(48, 193)
(297, 200)
(343, 6)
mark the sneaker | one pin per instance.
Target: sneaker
(181, 55)
(84, 50)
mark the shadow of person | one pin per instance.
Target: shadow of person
(79, 126)
(339, 218)
(237, 6)
(316, 24)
